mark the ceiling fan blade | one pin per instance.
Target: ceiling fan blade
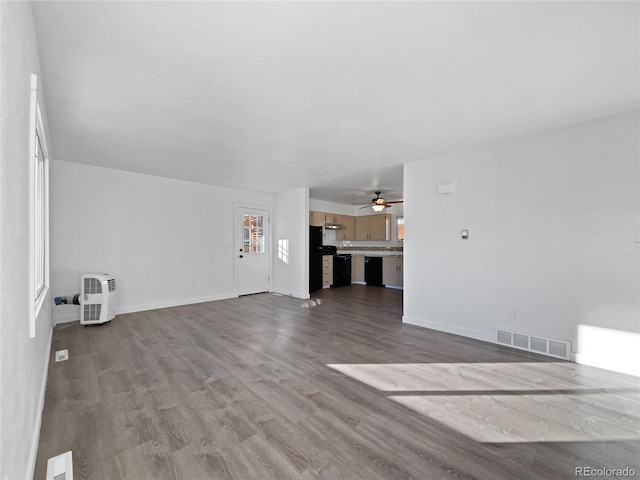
(396, 201)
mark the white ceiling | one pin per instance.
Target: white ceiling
(334, 96)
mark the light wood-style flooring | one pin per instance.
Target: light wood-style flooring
(272, 387)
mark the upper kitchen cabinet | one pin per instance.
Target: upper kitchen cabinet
(332, 218)
(317, 219)
(344, 225)
(348, 230)
(373, 227)
(380, 227)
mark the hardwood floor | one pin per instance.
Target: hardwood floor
(267, 386)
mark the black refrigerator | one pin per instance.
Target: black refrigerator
(315, 258)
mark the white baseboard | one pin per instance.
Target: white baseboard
(38, 424)
(300, 295)
(71, 313)
(174, 303)
(387, 286)
(628, 365)
(454, 329)
(66, 317)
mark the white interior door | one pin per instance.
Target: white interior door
(253, 257)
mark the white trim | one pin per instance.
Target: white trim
(32, 143)
(75, 315)
(443, 327)
(174, 303)
(36, 124)
(33, 451)
(300, 295)
(71, 313)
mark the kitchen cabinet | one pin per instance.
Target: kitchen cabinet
(373, 227)
(357, 268)
(332, 218)
(392, 270)
(349, 230)
(317, 219)
(380, 227)
(362, 227)
(327, 271)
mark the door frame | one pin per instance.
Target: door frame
(237, 241)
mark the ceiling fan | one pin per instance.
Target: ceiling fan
(379, 204)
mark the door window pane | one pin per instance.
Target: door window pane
(253, 234)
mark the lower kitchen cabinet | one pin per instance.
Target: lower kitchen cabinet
(392, 270)
(357, 268)
(327, 271)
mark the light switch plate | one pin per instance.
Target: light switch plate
(445, 188)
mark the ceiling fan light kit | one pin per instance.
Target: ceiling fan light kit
(378, 204)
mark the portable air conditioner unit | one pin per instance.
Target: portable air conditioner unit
(97, 298)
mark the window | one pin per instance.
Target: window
(39, 211)
(400, 228)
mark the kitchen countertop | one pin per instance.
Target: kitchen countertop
(371, 253)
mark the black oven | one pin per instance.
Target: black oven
(341, 270)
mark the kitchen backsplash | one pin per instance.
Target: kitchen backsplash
(370, 249)
(329, 238)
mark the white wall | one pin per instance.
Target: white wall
(167, 242)
(324, 206)
(23, 360)
(291, 222)
(552, 220)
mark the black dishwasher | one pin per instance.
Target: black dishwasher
(341, 270)
(373, 271)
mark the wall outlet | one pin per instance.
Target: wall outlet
(513, 317)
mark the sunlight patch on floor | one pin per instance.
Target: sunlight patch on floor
(531, 418)
(519, 376)
(512, 402)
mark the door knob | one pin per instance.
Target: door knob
(241, 256)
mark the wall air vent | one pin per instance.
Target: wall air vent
(60, 467)
(534, 343)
